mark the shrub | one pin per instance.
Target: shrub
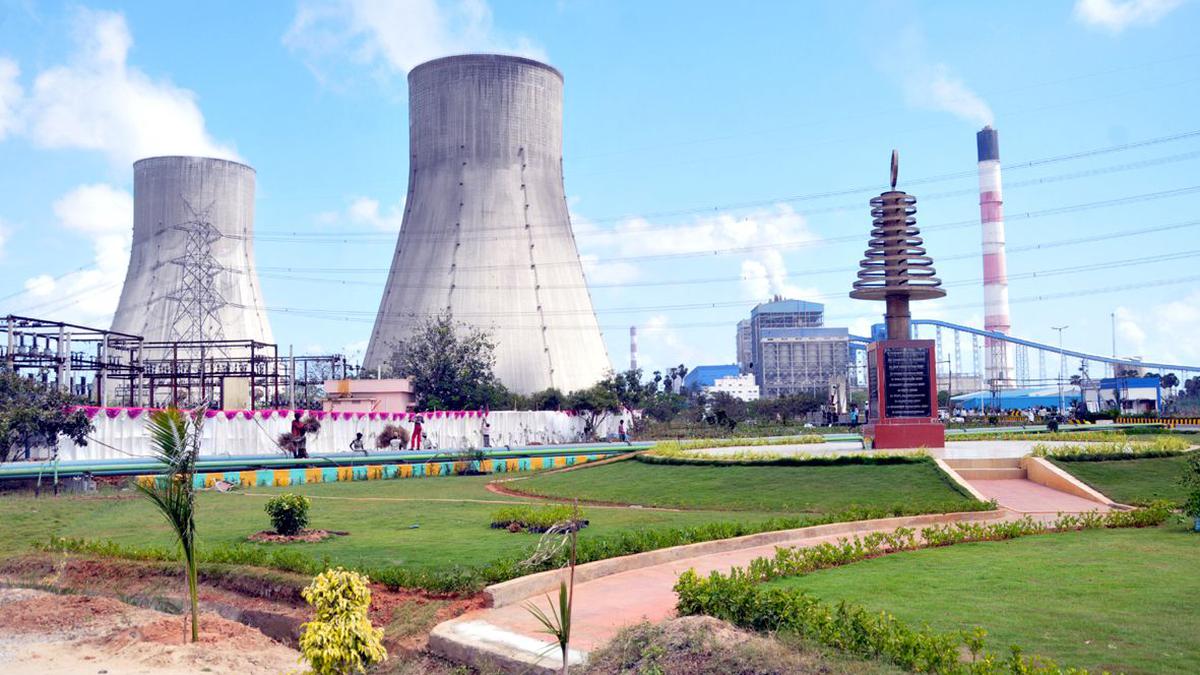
(289, 513)
(1162, 446)
(384, 439)
(1191, 481)
(340, 639)
(535, 518)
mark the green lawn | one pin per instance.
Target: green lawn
(1132, 481)
(1115, 600)
(918, 486)
(448, 532)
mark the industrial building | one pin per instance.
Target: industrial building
(191, 273)
(723, 378)
(486, 236)
(793, 352)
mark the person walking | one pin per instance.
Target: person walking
(417, 434)
(621, 435)
(357, 444)
(299, 443)
(486, 428)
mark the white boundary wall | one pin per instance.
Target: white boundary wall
(120, 433)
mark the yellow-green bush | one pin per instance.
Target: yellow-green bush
(340, 639)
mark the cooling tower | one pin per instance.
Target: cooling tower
(486, 235)
(191, 269)
(995, 266)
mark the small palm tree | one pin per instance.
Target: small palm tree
(557, 623)
(176, 440)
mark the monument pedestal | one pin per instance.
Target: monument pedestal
(902, 385)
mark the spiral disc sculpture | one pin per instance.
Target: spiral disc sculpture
(896, 268)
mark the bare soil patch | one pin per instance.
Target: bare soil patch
(43, 633)
(310, 536)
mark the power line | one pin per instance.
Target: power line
(293, 235)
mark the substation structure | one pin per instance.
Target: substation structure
(113, 368)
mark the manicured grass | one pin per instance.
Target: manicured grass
(448, 533)
(1132, 481)
(1115, 600)
(824, 489)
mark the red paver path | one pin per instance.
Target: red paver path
(604, 606)
(1025, 496)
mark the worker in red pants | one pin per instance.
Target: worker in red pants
(416, 435)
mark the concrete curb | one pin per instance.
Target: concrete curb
(522, 588)
(1044, 472)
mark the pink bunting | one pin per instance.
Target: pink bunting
(230, 414)
(360, 415)
(134, 413)
(91, 411)
(209, 414)
(112, 412)
(320, 414)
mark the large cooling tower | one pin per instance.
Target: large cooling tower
(191, 270)
(486, 234)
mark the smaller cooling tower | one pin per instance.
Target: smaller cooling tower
(191, 270)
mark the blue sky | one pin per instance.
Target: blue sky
(691, 128)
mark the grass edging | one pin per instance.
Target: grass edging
(739, 598)
(473, 578)
(649, 457)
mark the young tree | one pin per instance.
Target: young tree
(594, 404)
(725, 410)
(450, 365)
(547, 399)
(33, 414)
(176, 442)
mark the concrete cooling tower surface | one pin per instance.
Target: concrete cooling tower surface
(191, 268)
(486, 235)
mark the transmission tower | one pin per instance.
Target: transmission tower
(198, 301)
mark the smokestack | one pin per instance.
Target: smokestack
(995, 267)
(486, 235)
(191, 273)
(633, 347)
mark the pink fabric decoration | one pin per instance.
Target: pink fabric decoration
(112, 412)
(209, 414)
(134, 413)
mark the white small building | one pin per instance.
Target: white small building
(738, 386)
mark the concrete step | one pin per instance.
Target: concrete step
(984, 463)
(992, 473)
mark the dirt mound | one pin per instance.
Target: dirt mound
(310, 536)
(73, 634)
(44, 613)
(701, 645)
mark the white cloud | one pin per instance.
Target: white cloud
(660, 347)
(397, 34)
(5, 233)
(10, 96)
(1164, 332)
(931, 85)
(96, 209)
(105, 215)
(1117, 15)
(766, 276)
(98, 102)
(609, 273)
(366, 211)
(761, 228)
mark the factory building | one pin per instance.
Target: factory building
(745, 345)
(486, 236)
(723, 378)
(793, 352)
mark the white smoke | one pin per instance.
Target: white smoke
(929, 84)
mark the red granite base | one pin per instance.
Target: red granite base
(896, 435)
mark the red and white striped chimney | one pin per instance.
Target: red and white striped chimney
(995, 268)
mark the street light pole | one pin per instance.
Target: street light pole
(1062, 367)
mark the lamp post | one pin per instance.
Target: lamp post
(1062, 367)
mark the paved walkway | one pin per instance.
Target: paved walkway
(1025, 496)
(511, 637)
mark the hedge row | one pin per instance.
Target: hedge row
(653, 457)
(1099, 452)
(739, 598)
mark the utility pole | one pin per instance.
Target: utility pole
(1062, 367)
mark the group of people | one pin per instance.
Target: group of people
(418, 437)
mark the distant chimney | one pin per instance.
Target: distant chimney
(995, 267)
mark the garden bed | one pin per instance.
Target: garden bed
(306, 535)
